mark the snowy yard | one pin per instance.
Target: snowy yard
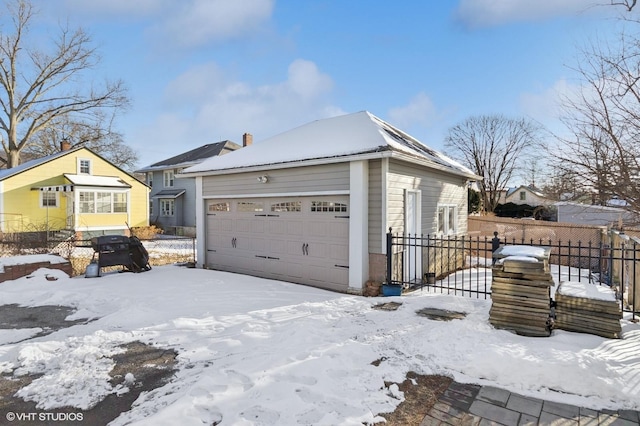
(256, 351)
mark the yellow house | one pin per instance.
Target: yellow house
(74, 190)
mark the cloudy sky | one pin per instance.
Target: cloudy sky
(200, 71)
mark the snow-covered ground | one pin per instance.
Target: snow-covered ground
(256, 351)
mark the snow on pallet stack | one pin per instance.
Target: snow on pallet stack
(521, 290)
(588, 308)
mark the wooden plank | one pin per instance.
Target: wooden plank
(524, 269)
(531, 331)
(584, 313)
(585, 329)
(539, 319)
(516, 308)
(517, 289)
(588, 304)
(530, 276)
(520, 301)
(530, 283)
(588, 322)
(596, 332)
(520, 317)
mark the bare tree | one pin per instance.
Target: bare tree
(39, 86)
(99, 137)
(604, 121)
(628, 4)
(564, 185)
(493, 146)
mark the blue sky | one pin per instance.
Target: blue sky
(200, 71)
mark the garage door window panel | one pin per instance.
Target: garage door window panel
(328, 207)
(219, 207)
(288, 206)
(247, 207)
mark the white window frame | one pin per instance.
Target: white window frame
(412, 226)
(523, 195)
(168, 178)
(104, 202)
(56, 194)
(150, 179)
(443, 225)
(167, 207)
(113, 202)
(89, 166)
(93, 204)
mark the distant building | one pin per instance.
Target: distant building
(588, 214)
(524, 194)
(172, 201)
(72, 192)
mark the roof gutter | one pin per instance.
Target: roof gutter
(289, 165)
(338, 159)
(433, 165)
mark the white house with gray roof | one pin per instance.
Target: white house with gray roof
(313, 205)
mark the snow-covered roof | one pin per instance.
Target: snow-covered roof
(589, 207)
(27, 165)
(341, 136)
(192, 157)
(5, 173)
(528, 188)
(90, 180)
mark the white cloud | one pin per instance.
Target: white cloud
(419, 112)
(206, 105)
(306, 80)
(100, 9)
(195, 85)
(198, 22)
(184, 23)
(486, 13)
(546, 106)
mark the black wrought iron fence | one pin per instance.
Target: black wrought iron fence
(462, 264)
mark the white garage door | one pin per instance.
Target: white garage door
(303, 240)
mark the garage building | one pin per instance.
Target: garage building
(313, 205)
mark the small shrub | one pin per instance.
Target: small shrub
(146, 232)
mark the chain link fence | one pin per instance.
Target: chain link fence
(163, 250)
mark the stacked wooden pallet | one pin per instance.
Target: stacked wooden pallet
(588, 308)
(520, 291)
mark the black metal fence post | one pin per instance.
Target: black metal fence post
(389, 255)
(495, 245)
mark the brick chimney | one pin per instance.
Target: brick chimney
(247, 139)
(65, 145)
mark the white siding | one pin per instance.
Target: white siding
(330, 177)
(437, 188)
(375, 207)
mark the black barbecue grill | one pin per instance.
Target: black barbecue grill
(120, 250)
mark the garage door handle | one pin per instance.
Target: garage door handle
(305, 249)
(233, 242)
